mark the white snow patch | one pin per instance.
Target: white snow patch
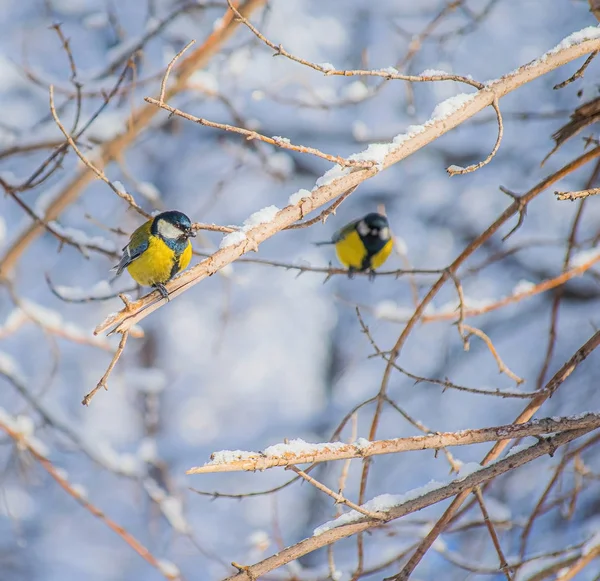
(401, 246)
(263, 216)
(299, 446)
(389, 71)
(584, 256)
(336, 172)
(82, 239)
(360, 130)
(411, 131)
(591, 545)
(9, 367)
(455, 168)
(451, 105)
(204, 81)
(356, 91)
(390, 311)
(382, 503)
(172, 509)
(433, 73)
(232, 239)
(2, 230)
(523, 286)
(24, 425)
(167, 568)
(99, 290)
(80, 490)
(281, 162)
(589, 33)
(228, 456)
(298, 196)
(149, 191)
(326, 66)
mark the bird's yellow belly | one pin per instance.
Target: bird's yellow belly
(378, 259)
(155, 265)
(351, 252)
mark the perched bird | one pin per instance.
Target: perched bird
(158, 250)
(364, 244)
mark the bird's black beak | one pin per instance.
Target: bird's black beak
(192, 233)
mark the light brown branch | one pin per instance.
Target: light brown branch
(252, 461)
(501, 365)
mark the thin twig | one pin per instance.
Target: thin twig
(454, 170)
(335, 495)
(102, 383)
(501, 365)
(577, 195)
(494, 536)
(250, 135)
(578, 74)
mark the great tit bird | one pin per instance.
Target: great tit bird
(158, 250)
(364, 244)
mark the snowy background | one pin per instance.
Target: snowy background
(259, 354)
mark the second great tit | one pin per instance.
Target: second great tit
(365, 244)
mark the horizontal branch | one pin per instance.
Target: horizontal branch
(336, 533)
(299, 452)
(341, 180)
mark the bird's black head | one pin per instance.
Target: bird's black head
(172, 225)
(374, 226)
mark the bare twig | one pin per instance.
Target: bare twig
(339, 498)
(102, 383)
(577, 195)
(501, 365)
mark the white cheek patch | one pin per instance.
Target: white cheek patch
(384, 233)
(167, 230)
(362, 228)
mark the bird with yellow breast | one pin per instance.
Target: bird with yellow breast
(158, 250)
(364, 244)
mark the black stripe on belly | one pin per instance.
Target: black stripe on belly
(175, 268)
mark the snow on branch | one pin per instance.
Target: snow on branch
(338, 180)
(392, 507)
(300, 452)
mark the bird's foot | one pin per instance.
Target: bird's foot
(162, 290)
